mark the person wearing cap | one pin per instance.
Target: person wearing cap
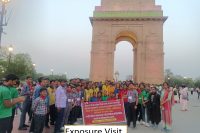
(7, 102)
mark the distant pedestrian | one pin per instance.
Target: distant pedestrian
(198, 92)
(192, 89)
(184, 98)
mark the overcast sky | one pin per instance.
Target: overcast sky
(57, 34)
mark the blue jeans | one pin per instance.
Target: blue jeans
(25, 108)
(59, 120)
(145, 114)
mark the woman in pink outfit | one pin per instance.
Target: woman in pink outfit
(166, 106)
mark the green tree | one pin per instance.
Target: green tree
(21, 65)
(197, 82)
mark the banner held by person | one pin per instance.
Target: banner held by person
(103, 112)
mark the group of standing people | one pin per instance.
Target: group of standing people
(58, 102)
(51, 102)
(143, 103)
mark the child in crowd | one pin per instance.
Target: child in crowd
(40, 110)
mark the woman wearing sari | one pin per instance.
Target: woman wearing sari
(166, 106)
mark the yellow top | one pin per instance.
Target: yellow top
(91, 92)
(87, 95)
(105, 90)
(96, 90)
(51, 93)
(111, 89)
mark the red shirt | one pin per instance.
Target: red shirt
(112, 98)
(122, 93)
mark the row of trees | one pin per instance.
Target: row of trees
(177, 80)
(21, 64)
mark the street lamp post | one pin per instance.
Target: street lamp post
(66, 75)
(3, 13)
(52, 72)
(116, 75)
(33, 71)
(10, 50)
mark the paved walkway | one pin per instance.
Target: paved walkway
(183, 122)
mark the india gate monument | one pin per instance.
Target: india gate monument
(139, 22)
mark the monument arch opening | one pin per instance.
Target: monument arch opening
(123, 61)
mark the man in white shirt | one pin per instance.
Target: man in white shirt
(61, 104)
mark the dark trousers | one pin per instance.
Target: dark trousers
(59, 120)
(30, 112)
(131, 114)
(198, 94)
(4, 124)
(72, 116)
(25, 109)
(139, 112)
(47, 119)
(11, 121)
(78, 112)
(52, 112)
(32, 125)
(39, 121)
(126, 109)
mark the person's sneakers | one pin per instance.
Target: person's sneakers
(26, 125)
(143, 123)
(22, 128)
(147, 125)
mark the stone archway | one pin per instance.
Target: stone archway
(132, 39)
(138, 21)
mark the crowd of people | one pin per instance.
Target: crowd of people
(58, 102)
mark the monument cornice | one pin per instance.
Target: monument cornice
(164, 18)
